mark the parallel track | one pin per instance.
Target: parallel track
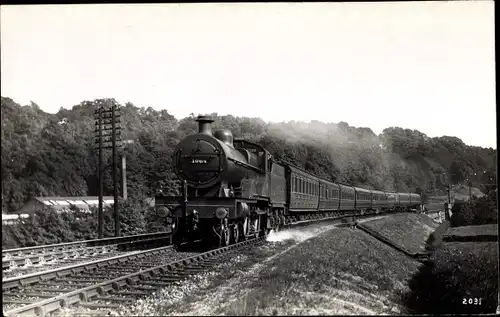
(98, 284)
(75, 251)
(103, 283)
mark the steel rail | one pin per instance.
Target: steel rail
(7, 263)
(84, 243)
(49, 305)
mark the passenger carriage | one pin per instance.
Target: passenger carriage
(329, 196)
(347, 197)
(363, 199)
(379, 200)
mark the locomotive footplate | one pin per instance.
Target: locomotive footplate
(213, 208)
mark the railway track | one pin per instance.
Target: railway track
(29, 260)
(107, 283)
(104, 283)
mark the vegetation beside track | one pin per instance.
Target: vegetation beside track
(342, 271)
(48, 226)
(457, 272)
(472, 233)
(407, 230)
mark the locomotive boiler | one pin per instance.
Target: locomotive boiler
(225, 187)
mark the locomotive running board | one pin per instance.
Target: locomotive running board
(168, 200)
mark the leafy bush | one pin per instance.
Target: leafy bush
(478, 211)
(457, 271)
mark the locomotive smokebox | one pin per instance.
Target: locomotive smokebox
(204, 124)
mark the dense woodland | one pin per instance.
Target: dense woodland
(53, 154)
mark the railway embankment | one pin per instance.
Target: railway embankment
(333, 270)
(408, 232)
(326, 269)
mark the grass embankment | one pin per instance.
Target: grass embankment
(409, 231)
(342, 271)
(472, 233)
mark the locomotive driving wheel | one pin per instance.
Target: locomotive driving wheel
(263, 232)
(235, 236)
(225, 234)
(244, 228)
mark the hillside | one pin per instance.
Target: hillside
(52, 154)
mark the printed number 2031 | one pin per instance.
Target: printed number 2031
(471, 301)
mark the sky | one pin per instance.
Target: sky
(428, 66)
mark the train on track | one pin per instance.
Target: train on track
(235, 189)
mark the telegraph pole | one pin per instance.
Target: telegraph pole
(98, 113)
(115, 136)
(107, 114)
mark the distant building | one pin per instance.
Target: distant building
(9, 219)
(63, 204)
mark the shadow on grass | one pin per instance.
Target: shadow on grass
(454, 275)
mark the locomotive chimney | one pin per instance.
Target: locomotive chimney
(204, 124)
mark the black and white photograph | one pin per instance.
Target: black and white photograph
(256, 159)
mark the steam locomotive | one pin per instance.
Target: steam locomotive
(235, 189)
